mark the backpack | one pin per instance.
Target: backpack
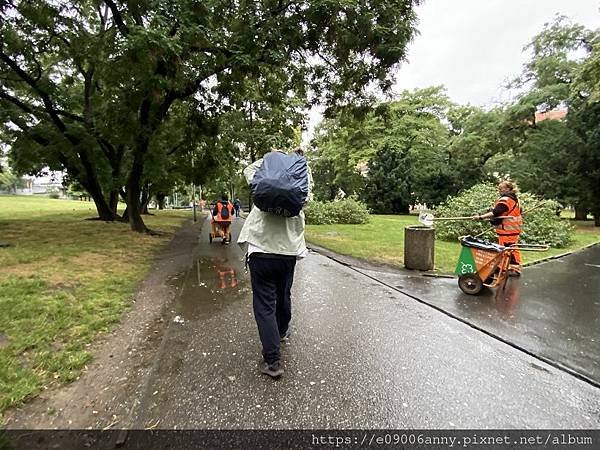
(280, 185)
(224, 211)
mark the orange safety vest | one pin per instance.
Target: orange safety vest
(220, 208)
(513, 224)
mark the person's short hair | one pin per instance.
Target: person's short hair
(299, 151)
(224, 196)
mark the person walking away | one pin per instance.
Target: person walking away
(237, 204)
(222, 217)
(274, 243)
(509, 228)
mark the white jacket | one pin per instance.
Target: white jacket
(271, 233)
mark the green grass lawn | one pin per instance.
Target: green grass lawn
(382, 240)
(63, 280)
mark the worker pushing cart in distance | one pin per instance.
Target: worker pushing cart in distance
(221, 217)
(482, 263)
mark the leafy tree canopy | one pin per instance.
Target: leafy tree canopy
(412, 126)
(95, 86)
(559, 158)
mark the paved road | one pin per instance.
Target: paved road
(362, 355)
(552, 311)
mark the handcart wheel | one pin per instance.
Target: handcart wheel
(470, 283)
(210, 236)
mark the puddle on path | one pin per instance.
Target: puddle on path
(494, 303)
(213, 283)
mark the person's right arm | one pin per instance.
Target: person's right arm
(251, 170)
(311, 185)
(499, 210)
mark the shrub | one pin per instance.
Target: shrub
(540, 225)
(317, 213)
(351, 211)
(348, 211)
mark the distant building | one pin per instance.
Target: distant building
(43, 185)
(553, 114)
(362, 168)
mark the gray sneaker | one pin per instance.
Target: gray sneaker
(274, 370)
(286, 336)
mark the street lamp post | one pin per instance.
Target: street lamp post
(193, 191)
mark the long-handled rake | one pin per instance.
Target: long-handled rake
(428, 219)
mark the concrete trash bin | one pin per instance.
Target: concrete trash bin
(419, 247)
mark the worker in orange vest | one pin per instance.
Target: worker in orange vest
(222, 217)
(509, 228)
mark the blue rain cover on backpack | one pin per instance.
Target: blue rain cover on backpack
(280, 185)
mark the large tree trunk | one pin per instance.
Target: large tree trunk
(580, 213)
(102, 207)
(160, 199)
(125, 216)
(89, 180)
(145, 199)
(596, 205)
(151, 115)
(135, 219)
(133, 193)
(114, 201)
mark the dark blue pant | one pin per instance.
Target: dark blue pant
(272, 277)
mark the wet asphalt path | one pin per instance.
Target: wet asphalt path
(552, 311)
(362, 355)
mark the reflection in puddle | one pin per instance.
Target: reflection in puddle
(226, 275)
(493, 303)
(213, 283)
(508, 298)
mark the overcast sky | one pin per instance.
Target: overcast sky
(474, 46)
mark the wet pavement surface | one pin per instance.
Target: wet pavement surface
(552, 311)
(362, 355)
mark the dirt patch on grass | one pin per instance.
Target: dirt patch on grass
(26, 270)
(96, 266)
(53, 270)
(89, 260)
(4, 341)
(58, 271)
(65, 286)
(105, 394)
